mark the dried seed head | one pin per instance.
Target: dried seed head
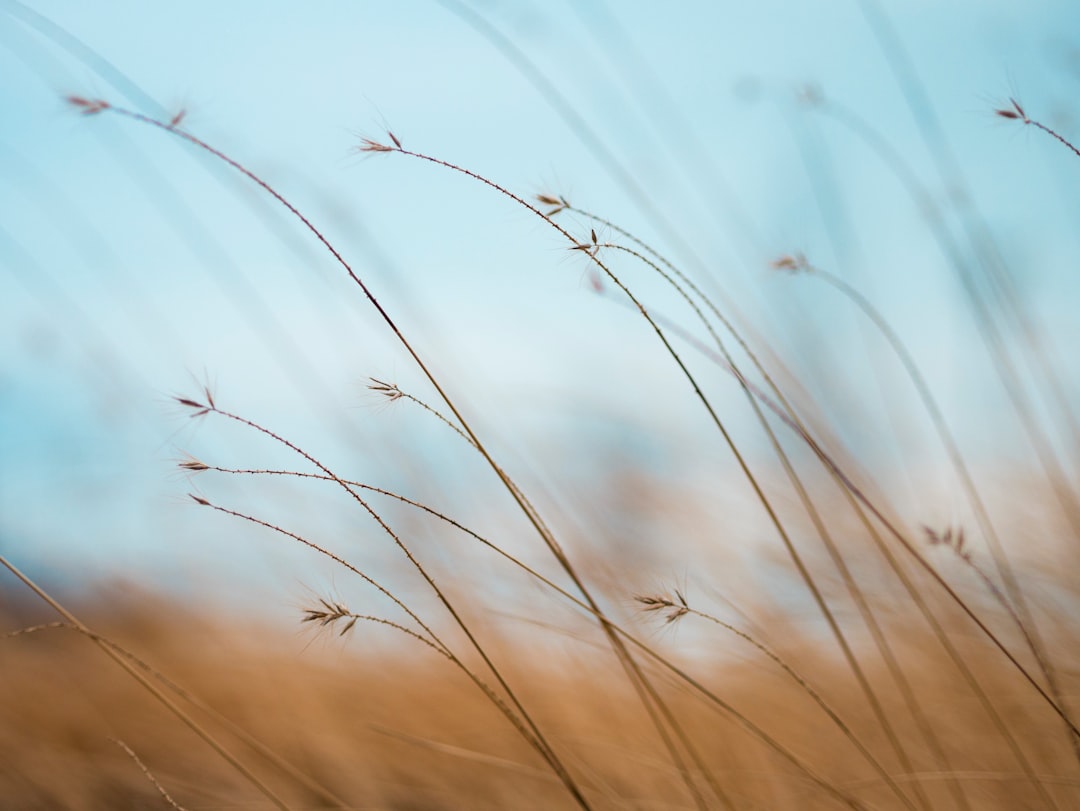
(198, 408)
(952, 540)
(178, 119)
(199, 500)
(650, 602)
(1015, 114)
(671, 610)
(368, 145)
(558, 203)
(88, 106)
(792, 263)
(193, 465)
(331, 612)
(591, 247)
(389, 390)
(934, 537)
(393, 138)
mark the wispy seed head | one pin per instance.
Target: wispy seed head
(331, 612)
(792, 263)
(389, 390)
(368, 145)
(198, 408)
(952, 540)
(88, 106)
(1016, 113)
(672, 610)
(558, 203)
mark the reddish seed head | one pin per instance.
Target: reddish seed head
(389, 390)
(1015, 114)
(88, 106)
(789, 262)
(200, 409)
(368, 145)
(558, 203)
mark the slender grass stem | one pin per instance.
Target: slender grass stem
(168, 703)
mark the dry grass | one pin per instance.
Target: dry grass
(917, 685)
(906, 674)
(383, 724)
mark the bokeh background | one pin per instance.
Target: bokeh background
(134, 269)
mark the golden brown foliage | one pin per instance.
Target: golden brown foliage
(387, 726)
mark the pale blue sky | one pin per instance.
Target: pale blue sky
(131, 266)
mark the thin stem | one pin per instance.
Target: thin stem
(1021, 613)
(188, 721)
(149, 774)
(537, 736)
(579, 603)
(849, 655)
(196, 702)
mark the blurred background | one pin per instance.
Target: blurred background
(134, 268)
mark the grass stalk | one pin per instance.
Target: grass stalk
(163, 699)
(1016, 603)
(535, 735)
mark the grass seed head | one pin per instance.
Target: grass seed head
(369, 145)
(949, 539)
(557, 203)
(1015, 113)
(198, 409)
(88, 106)
(389, 390)
(792, 263)
(671, 610)
(329, 614)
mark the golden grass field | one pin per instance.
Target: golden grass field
(381, 724)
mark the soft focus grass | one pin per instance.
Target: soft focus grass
(390, 726)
